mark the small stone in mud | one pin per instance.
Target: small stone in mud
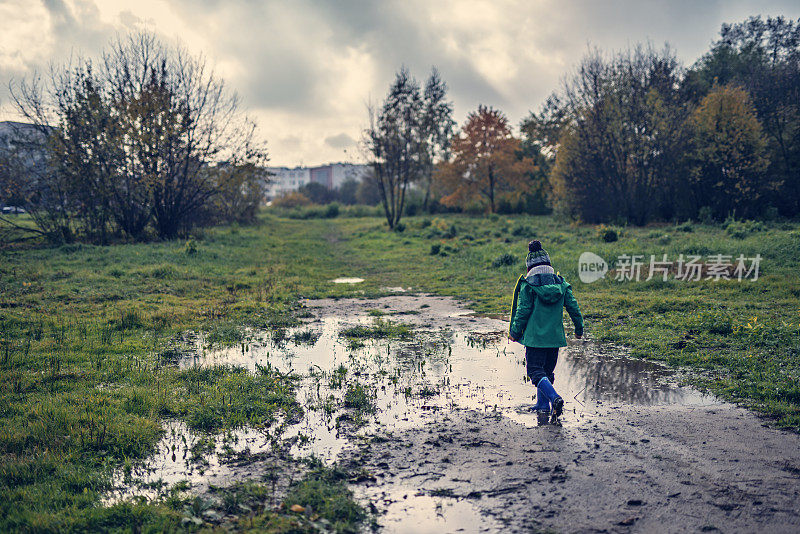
(635, 502)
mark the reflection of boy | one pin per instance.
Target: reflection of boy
(536, 322)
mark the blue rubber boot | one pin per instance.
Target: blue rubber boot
(542, 402)
(547, 388)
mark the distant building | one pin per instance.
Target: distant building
(23, 140)
(332, 176)
(23, 158)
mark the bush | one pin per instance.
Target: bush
(191, 247)
(771, 214)
(332, 211)
(451, 232)
(521, 230)
(607, 234)
(741, 229)
(360, 210)
(435, 249)
(705, 215)
(504, 260)
(475, 207)
(400, 227)
(292, 199)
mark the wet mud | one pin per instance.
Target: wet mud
(428, 405)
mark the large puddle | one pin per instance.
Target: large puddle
(355, 385)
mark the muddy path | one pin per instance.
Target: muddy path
(428, 407)
(635, 452)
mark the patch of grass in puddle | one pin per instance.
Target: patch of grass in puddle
(427, 391)
(359, 398)
(380, 329)
(231, 397)
(306, 337)
(320, 502)
(224, 334)
(337, 378)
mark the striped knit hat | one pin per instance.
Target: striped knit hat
(536, 255)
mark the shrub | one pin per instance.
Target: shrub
(191, 247)
(607, 233)
(521, 230)
(435, 249)
(332, 211)
(504, 260)
(475, 207)
(741, 229)
(705, 215)
(685, 227)
(771, 214)
(451, 232)
(400, 227)
(292, 199)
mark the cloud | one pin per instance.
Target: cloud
(341, 140)
(307, 69)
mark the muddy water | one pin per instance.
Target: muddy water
(453, 361)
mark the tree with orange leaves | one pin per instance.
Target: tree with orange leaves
(486, 163)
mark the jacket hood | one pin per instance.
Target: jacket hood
(549, 287)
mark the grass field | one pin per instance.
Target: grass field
(85, 335)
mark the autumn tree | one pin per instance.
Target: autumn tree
(619, 123)
(762, 56)
(486, 163)
(728, 154)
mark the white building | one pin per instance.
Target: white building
(333, 175)
(284, 179)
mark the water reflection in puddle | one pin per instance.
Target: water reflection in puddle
(407, 512)
(453, 361)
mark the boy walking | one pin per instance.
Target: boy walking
(536, 322)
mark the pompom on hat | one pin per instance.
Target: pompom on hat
(536, 255)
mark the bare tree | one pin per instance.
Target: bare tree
(132, 140)
(437, 128)
(395, 143)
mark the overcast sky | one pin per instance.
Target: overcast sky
(306, 69)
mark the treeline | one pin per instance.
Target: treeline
(630, 137)
(637, 138)
(146, 143)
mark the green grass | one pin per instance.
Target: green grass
(86, 332)
(85, 337)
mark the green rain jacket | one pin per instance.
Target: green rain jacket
(537, 311)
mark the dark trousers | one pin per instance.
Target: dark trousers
(540, 362)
